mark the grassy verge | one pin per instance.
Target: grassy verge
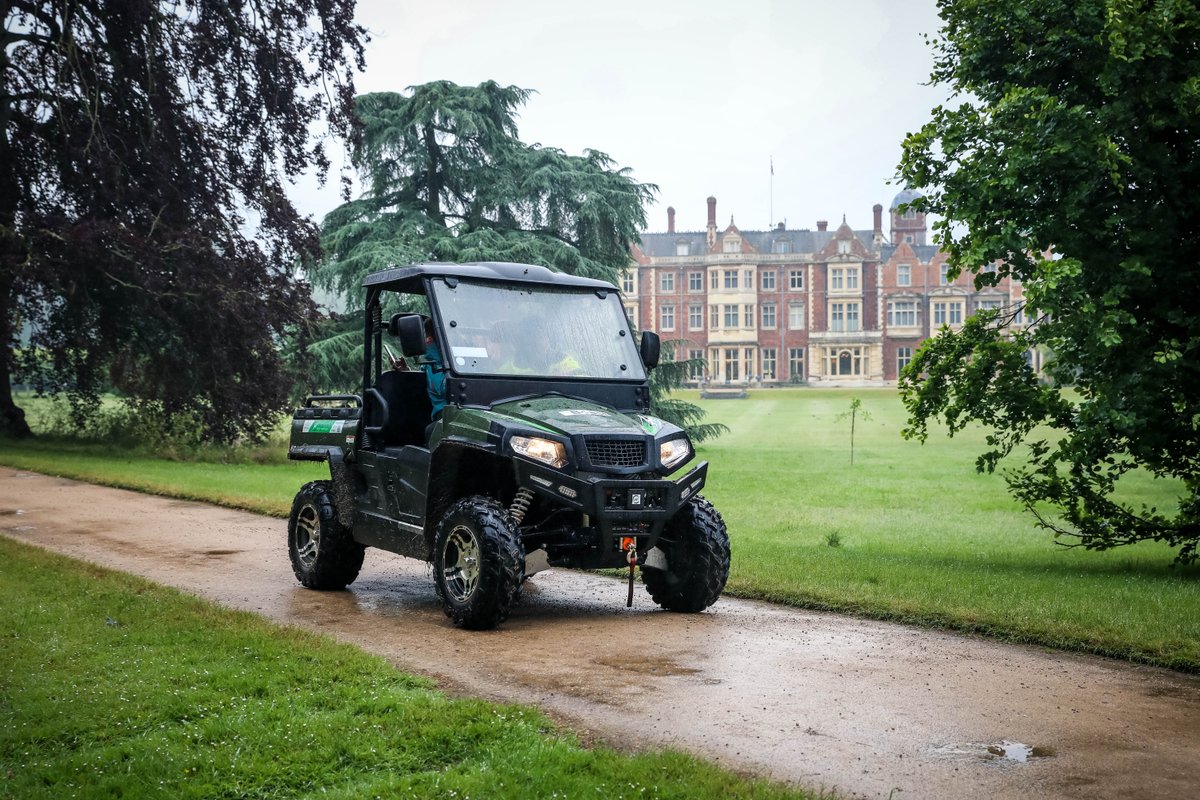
(911, 532)
(908, 532)
(113, 687)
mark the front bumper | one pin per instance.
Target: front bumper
(617, 506)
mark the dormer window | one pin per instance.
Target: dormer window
(781, 246)
(732, 245)
(682, 248)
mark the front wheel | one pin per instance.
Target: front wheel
(324, 554)
(696, 546)
(478, 563)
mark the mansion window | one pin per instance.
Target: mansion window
(666, 282)
(796, 316)
(695, 364)
(748, 315)
(796, 363)
(843, 278)
(731, 279)
(715, 283)
(904, 274)
(748, 279)
(731, 317)
(948, 312)
(731, 245)
(843, 246)
(903, 358)
(769, 363)
(682, 249)
(695, 318)
(796, 279)
(903, 314)
(695, 281)
(768, 281)
(781, 246)
(846, 361)
(843, 317)
(731, 364)
(944, 275)
(768, 315)
(987, 305)
(667, 314)
(627, 283)
(714, 317)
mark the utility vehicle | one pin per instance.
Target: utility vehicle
(546, 453)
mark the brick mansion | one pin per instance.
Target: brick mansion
(786, 305)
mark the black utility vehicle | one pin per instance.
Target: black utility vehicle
(545, 454)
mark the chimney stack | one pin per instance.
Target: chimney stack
(878, 209)
(712, 212)
(822, 225)
(670, 219)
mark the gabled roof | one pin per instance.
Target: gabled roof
(924, 252)
(804, 241)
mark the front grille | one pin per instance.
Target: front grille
(616, 452)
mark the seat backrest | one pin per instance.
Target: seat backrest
(409, 408)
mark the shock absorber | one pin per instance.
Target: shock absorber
(520, 505)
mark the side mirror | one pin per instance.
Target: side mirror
(409, 329)
(649, 349)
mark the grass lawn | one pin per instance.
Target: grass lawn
(908, 532)
(912, 532)
(113, 687)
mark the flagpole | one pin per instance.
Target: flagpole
(772, 205)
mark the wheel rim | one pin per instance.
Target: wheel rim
(308, 535)
(460, 564)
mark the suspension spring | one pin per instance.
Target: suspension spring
(520, 504)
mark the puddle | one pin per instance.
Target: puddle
(11, 512)
(1004, 751)
(220, 552)
(643, 665)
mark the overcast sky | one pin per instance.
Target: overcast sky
(697, 97)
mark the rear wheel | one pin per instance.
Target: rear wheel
(696, 546)
(478, 563)
(324, 554)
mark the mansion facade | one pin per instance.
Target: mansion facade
(820, 306)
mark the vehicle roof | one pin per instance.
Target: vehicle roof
(411, 278)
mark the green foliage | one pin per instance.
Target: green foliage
(1070, 162)
(669, 376)
(146, 240)
(447, 179)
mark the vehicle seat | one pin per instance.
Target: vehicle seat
(409, 408)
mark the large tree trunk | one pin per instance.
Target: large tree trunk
(12, 417)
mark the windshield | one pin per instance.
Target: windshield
(536, 331)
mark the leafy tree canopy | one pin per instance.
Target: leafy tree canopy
(145, 236)
(1071, 162)
(446, 178)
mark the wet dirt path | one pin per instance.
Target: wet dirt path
(866, 708)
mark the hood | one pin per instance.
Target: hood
(569, 416)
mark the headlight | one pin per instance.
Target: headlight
(673, 451)
(544, 450)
